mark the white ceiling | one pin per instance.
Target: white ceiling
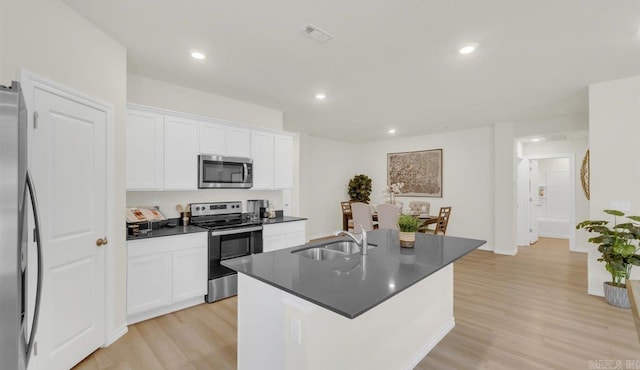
(392, 63)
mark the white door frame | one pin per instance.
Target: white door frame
(572, 198)
(29, 82)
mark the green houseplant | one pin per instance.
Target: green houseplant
(617, 245)
(360, 188)
(408, 226)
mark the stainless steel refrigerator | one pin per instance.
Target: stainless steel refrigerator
(17, 195)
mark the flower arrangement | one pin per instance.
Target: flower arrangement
(393, 190)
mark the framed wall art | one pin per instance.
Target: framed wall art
(420, 172)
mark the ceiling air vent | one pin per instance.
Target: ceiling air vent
(314, 33)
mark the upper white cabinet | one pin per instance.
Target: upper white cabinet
(213, 138)
(262, 155)
(163, 148)
(282, 162)
(144, 151)
(181, 147)
(238, 142)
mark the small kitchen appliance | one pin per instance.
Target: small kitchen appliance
(231, 234)
(257, 208)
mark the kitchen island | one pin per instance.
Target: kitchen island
(385, 310)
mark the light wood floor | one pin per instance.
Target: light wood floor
(524, 312)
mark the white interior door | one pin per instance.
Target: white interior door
(534, 200)
(68, 161)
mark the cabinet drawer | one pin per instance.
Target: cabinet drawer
(283, 228)
(165, 244)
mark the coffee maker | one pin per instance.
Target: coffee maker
(257, 208)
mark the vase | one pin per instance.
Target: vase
(616, 296)
(407, 239)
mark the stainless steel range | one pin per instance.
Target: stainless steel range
(231, 234)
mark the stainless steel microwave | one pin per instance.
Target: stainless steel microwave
(215, 171)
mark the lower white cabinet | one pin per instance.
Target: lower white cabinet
(283, 235)
(165, 274)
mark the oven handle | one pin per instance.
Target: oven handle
(236, 231)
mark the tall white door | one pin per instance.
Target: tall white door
(67, 157)
(534, 200)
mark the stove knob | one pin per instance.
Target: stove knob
(197, 208)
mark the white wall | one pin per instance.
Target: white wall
(467, 177)
(154, 93)
(159, 94)
(49, 39)
(504, 188)
(329, 165)
(614, 129)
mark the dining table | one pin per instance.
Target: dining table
(425, 218)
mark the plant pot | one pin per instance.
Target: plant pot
(616, 296)
(407, 239)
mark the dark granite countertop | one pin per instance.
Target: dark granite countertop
(179, 230)
(167, 231)
(279, 220)
(352, 285)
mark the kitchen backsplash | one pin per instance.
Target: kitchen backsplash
(167, 200)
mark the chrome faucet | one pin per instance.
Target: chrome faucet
(363, 238)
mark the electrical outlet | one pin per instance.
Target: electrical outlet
(156, 204)
(296, 331)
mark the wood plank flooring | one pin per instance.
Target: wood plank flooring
(531, 311)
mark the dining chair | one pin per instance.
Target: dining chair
(419, 207)
(388, 216)
(361, 216)
(347, 218)
(441, 223)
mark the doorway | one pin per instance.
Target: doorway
(546, 198)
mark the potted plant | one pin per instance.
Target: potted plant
(618, 246)
(408, 225)
(360, 188)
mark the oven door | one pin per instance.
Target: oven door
(227, 244)
(224, 172)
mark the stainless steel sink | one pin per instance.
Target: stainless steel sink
(331, 250)
(320, 254)
(343, 247)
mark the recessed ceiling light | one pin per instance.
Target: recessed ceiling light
(468, 49)
(320, 96)
(198, 55)
(536, 139)
(392, 131)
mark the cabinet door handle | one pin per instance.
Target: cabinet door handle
(101, 242)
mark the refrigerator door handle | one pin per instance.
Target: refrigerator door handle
(36, 219)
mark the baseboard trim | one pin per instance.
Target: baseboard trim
(427, 347)
(597, 292)
(117, 334)
(554, 236)
(132, 319)
(510, 252)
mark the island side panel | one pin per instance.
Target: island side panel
(396, 334)
(260, 325)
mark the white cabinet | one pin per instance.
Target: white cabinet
(165, 274)
(262, 155)
(187, 274)
(282, 162)
(181, 147)
(213, 138)
(163, 148)
(238, 142)
(148, 277)
(144, 151)
(283, 235)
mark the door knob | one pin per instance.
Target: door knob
(101, 242)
